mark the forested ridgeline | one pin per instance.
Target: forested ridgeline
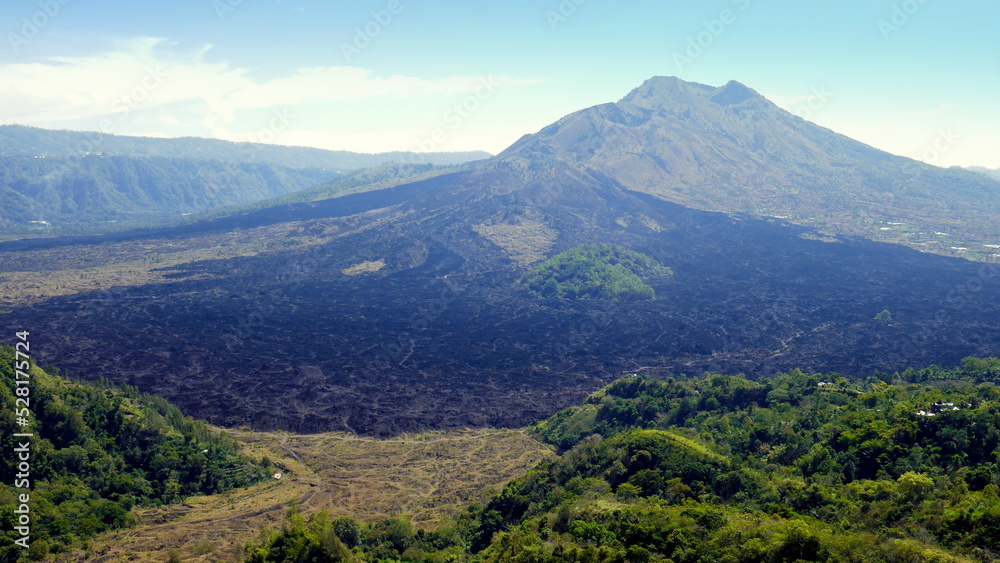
(99, 450)
(799, 467)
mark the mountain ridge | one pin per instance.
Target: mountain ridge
(399, 309)
(65, 180)
(21, 140)
(677, 141)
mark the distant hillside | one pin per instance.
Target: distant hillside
(98, 451)
(991, 172)
(64, 180)
(101, 189)
(17, 140)
(367, 179)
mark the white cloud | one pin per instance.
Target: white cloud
(144, 83)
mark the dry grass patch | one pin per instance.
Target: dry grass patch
(28, 277)
(427, 477)
(364, 268)
(526, 242)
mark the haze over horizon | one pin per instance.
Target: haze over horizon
(910, 77)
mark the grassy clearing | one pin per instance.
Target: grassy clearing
(364, 268)
(426, 477)
(527, 242)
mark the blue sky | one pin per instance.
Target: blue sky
(917, 78)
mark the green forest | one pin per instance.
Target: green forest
(99, 451)
(596, 271)
(900, 467)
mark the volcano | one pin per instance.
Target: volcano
(399, 309)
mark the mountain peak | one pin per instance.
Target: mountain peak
(733, 93)
(655, 112)
(661, 90)
(683, 141)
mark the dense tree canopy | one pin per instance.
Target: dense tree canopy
(901, 467)
(798, 467)
(98, 451)
(596, 271)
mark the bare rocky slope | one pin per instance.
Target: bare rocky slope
(399, 309)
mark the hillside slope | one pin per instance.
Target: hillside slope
(440, 334)
(18, 140)
(65, 181)
(792, 468)
(730, 149)
(96, 452)
(99, 190)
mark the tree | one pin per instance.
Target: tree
(595, 271)
(348, 530)
(884, 317)
(915, 486)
